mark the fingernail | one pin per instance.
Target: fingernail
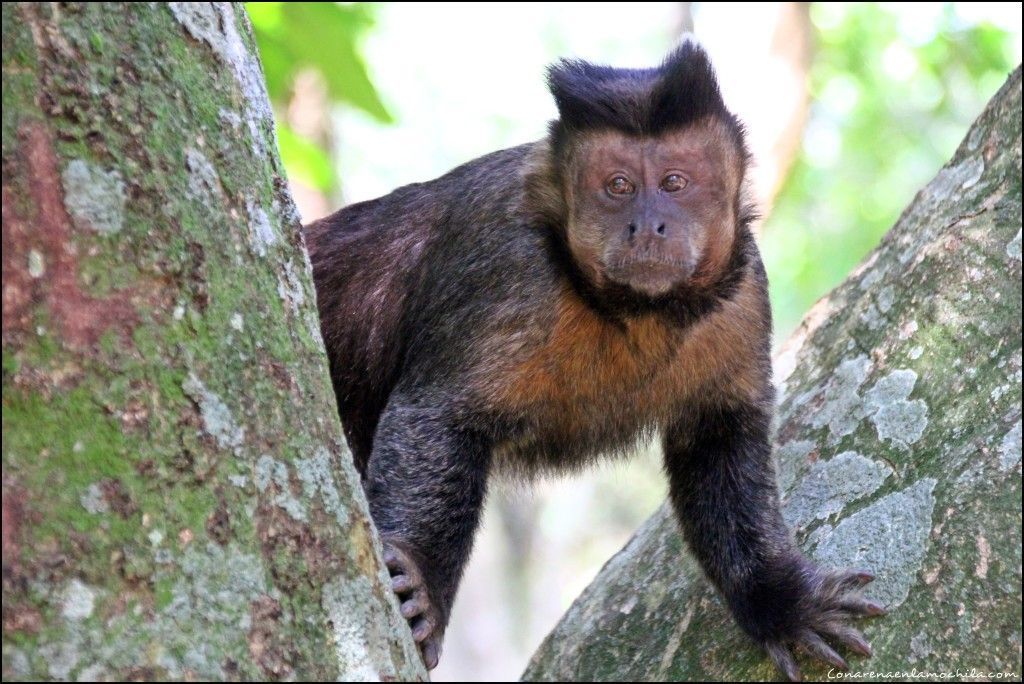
(875, 609)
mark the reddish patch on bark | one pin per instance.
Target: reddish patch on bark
(218, 524)
(146, 674)
(147, 468)
(280, 375)
(118, 498)
(80, 318)
(22, 618)
(265, 646)
(13, 517)
(283, 538)
(134, 415)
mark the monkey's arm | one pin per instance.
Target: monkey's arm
(425, 484)
(722, 487)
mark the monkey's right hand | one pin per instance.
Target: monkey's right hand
(423, 614)
(797, 606)
(827, 601)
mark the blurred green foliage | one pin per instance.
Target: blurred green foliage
(294, 36)
(893, 95)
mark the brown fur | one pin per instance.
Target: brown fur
(640, 371)
(542, 305)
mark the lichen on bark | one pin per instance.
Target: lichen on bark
(160, 348)
(898, 450)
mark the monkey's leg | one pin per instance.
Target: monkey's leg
(426, 484)
(722, 486)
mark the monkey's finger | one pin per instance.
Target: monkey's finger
(431, 651)
(855, 579)
(784, 660)
(816, 646)
(412, 608)
(402, 584)
(424, 628)
(847, 636)
(392, 559)
(858, 605)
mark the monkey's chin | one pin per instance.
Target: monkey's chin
(652, 278)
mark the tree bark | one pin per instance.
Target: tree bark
(899, 438)
(178, 499)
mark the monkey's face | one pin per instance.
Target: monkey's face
(654, 213)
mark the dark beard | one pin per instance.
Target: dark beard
(682, 306)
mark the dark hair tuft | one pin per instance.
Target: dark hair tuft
(682, 90)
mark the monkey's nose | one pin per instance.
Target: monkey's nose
(644, 232)
(652, 230)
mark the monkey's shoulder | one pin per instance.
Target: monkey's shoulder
(450, 199)
(429, 243)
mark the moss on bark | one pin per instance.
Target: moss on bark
(178, 499)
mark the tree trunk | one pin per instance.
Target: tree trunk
(178, 499)
(899, 451)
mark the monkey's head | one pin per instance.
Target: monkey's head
(649, 165)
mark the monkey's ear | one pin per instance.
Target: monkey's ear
(686, 88)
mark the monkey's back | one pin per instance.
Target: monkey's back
(400, 277)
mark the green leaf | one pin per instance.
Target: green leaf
(305, 160)
(322, 36)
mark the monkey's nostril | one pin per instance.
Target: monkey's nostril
(632, 229)
(661, 229)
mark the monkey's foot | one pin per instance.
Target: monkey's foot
(831, 599)
(422, 613)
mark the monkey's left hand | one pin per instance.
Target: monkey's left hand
(820, 603)
(416, 605)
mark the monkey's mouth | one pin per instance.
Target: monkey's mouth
(650, 275)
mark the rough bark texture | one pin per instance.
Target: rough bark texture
(899, 450)
(178, 500)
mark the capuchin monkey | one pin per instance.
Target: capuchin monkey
(546, 304)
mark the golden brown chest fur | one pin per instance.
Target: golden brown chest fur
(591, 380)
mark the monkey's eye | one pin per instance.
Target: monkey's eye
(620, 185)
(673, 183)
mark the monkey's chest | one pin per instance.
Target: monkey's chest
(593, 387)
